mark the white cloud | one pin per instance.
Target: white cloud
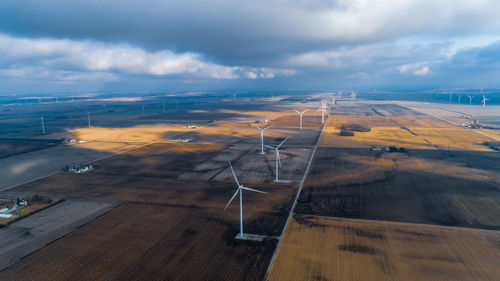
(419, 68)
(67, 56)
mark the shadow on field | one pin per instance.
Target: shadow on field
(458, 188)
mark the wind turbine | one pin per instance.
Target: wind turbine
(278, 161)
(262, 137)
(459, 98)
(353, 96)
(470, 99)
(484, 100)
(323, 111)
(43, 125)
(88, 118)
(301, 113)
(240, 192)
(451, 96)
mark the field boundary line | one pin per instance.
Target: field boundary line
(295, 200)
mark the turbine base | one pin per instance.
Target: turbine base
(251, 237)
(283, 181)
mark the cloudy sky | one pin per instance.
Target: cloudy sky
(159, 45)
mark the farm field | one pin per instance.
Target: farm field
(148, 242)
(422, 186)
(30, 166)
(29, 234)
(491, 133)
(356, 207)
(169, 192)
(243, 132)
(166, 160)
(138, 134)
(411, 132)
(10, 147)
(455, 113)
(177, 218)
(325, 248)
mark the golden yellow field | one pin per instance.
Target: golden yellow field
(142, 134)
(453, 138)
(414, 132)
(324, 248)
(492, 133)
(383, 132)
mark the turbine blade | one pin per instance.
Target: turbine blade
(235, 178)
(267, 128)
(281, 143)
(304, 111)
(258, 128)
(254, 190)
(298, 111)
(232, 198)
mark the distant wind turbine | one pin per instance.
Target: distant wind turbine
(278, 160)
(470, 98)
(262, 137)
(88, 118)
(43, 125)
(484, 100)
(301, 113)
(323, 111)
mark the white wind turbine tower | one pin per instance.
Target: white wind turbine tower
(459, 98)
(301, 113)
(278, 161)
(88, 118)
(43, 125)
(470, 99)
(262, 138)
(323, 111)
(484, 100)
(239, 191)
(353, 96)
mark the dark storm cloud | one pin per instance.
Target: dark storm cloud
(244, 32)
